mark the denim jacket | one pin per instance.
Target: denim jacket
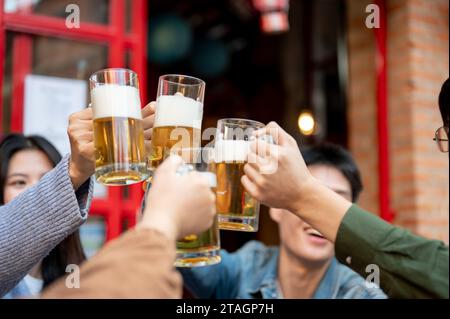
(251, 272)
(21, 290)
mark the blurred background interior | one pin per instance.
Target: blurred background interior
(313, 66)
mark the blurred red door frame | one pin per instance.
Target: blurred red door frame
(384, 191)
(115, 208)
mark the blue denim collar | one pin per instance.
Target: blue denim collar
(329, 285)
(268, 288)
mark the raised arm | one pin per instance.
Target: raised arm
(40, 218)
(140, 263)
(410, 266)
(37, 220)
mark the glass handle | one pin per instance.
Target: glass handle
(148, 185)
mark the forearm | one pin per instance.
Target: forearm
(322, 208)
(137, 265)
(410, 266)
(37, 220)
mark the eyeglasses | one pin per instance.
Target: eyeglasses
(441, 139)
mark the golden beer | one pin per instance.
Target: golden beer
(120, 157)
(164, 138)
(177, 125)
(120, 152)
(236, 209)
(199, 249)
(233, 202)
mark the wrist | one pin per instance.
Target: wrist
(75, 175)
(321, 208)
(306, 196)
(159, 222)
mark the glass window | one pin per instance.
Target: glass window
(90, 11)
(52, 57)
(66, 58)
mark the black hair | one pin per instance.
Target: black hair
(444, 102)
(70, 250)
(337, 157)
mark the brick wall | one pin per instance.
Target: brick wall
(361, 101)
(418, 63)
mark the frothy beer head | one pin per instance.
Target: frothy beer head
(178, 110)
(231, 151)
(110, 100)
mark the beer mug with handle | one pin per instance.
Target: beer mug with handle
(178, 117)
(202, 249)
(120, 157)
(236, 209)
(196, 250)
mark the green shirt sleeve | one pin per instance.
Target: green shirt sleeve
(410, 266)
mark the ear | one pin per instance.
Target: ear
(275, 214)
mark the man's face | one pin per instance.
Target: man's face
(300, 239)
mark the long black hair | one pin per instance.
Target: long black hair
(69, 251)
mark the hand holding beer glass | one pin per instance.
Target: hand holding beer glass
(118, 132)
(237, 210)
(196, 250)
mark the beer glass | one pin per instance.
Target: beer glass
(118, 131)
(236, 209)
(203, 249)
(178, 117)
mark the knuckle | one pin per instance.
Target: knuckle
(70, 129)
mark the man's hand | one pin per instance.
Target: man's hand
(290, 186)
(81, 136)
(179, 205)
(288, 178)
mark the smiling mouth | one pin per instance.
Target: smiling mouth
(315, 233)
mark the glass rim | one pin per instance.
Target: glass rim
(237, 121)
(165, 76)
(124, 70)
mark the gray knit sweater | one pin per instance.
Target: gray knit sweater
(36, 221)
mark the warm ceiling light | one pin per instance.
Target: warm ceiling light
(306, 123)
